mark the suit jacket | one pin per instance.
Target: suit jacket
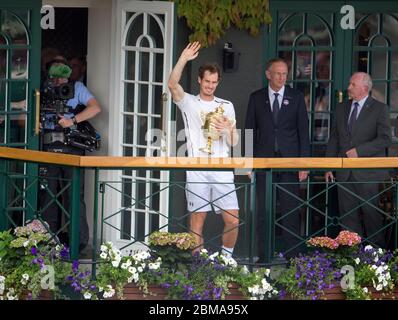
(291, 131)
(371, 135)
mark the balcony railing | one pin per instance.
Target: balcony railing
(316, 201)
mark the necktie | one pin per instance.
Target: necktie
(353, 117)
(275, 109)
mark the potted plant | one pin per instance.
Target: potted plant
(340, 268)
(171, 266)
(30, 262)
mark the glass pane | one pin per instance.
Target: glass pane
(127, 151)
(17, 128)
(158, 63)
(154, 221)
(13, 28)
(155, 30)
(321, 126)
(390, 27)
(129, 97)
(140, 226)
(18, 95)
(126, 225)
(379, 65)
(304, 42)
(158, 103)
(394, 96)
(323, 65)
(318, 31)
(19, 67)
(379, 91)
(3, 63)
(2, 128)
(394, 65)
(144, 43)
(290, 30)
(129, 73)
(379, 41)
(140, 195)
(135, 30)
(142, 123)
(287, 56)
(155, 198)
(143, 98)
(3, 90)
(366, 30)
(305, 88)
(303, 65)
(143, 64)
(128, 129)
(360, 61)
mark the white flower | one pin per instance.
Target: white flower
(115, 263)
(140, 269)
(379, 287)
(245, 270)
(365, 290)
(213, 256)
(357, 260)
(87, 295)
(25, 276)
(2, 278)
(380, 251)
(124, 266)
(104, 248)
(267, 272)
(154, 266)
(204, 251)
(132, 269)
(368, 248)
(103, 255)
(26, 243)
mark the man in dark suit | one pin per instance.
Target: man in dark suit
(361, 129)
(278, 117)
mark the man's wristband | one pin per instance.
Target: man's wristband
(74, 120)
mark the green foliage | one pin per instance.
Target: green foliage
(174, 249)
(27, 256)
(209, 19)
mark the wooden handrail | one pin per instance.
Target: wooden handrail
(40, 156)
(196, 163)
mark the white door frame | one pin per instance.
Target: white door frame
(116, 114)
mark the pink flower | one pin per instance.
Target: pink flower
(348, 238)
(323, 242)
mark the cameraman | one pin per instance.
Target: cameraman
(58, 74)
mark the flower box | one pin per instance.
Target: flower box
(337, 294)
(132, 292)
(43, 295)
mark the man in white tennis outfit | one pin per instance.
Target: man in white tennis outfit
(207, 186)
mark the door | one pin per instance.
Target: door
(143, 58)
(20, 36)
(322, 55)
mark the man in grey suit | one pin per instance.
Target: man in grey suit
(361, 128)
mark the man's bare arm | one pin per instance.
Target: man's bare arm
(189, 53)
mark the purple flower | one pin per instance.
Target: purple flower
(33, 251)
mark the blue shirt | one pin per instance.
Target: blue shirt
(82, 96)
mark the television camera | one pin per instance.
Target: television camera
(53, 105)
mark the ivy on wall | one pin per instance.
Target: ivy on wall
(209, 19)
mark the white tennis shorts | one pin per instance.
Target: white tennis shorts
(205, 186)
